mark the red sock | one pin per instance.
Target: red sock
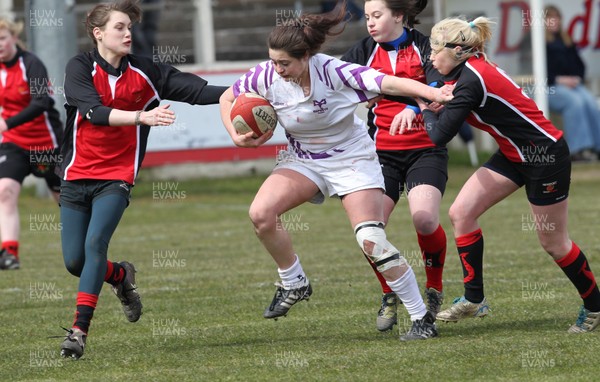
(114, 273)
(11, 247)
(86, 304)
(433, 249)
(384, 286)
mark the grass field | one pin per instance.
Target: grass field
(205, 280)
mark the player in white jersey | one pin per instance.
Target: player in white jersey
(323, 119)
(329, 153)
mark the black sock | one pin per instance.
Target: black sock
(470, 250)
(115, 273)
(83, 317)
(577, 269)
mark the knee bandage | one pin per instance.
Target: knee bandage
(372, 240)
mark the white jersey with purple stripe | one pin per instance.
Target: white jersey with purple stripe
(320, 124)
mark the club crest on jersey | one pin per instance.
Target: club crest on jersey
(320, 104)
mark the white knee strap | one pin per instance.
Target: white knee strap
(372, 240)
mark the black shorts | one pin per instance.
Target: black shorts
(412, 168)
(80, 194)
(546, 175)
(16, 163)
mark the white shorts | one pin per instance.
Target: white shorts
(351, 168)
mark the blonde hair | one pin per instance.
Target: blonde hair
(470, 36)
(552, 11)
(14, 28)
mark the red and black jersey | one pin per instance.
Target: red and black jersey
(494, 103)
(26, 103)
(94, 150)
(410, 60)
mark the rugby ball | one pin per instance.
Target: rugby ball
(251, 112)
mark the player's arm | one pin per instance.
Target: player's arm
(81, 93)
(225, 103)
(175, 85)
(360, 54)
(442, 127)
(407, 87)
(241, 140)
(159, 116)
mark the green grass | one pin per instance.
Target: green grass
(203, 308)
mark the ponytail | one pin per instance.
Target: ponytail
(470, 36)
(308, 32)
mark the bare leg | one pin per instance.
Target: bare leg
(9, 211)
(282, 191)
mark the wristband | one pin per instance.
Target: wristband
(137, 117)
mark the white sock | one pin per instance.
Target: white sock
(407, 289)
(293, 277)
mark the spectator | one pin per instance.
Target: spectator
(567, 93)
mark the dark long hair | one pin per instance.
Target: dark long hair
(408, 9)
(308, 32)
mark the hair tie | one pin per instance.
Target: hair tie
(471, 24)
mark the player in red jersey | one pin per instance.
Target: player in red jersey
(30, 131)
(532, 152)
(112, 100)
(408, 161)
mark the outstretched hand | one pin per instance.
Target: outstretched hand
(159, 116)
